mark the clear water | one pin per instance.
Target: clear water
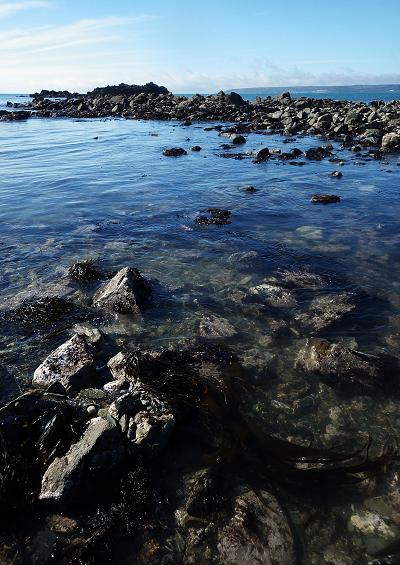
(66, 196)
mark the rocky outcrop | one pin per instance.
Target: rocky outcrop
(126, 293)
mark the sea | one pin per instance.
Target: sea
(100, 189)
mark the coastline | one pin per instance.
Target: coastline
(157, 441)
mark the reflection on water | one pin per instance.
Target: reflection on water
(71, 190)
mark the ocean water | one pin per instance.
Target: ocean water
(73, 189)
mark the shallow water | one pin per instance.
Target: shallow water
(100, 189)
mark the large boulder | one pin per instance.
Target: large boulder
(261, 155)
(125, 293)
(98, 452)
(73, 364)
(235, 99)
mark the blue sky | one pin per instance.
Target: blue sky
(197, 46)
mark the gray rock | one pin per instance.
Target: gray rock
(391, 141)
(125, 293)
(98, 452)
(72, 364)
(215, 326)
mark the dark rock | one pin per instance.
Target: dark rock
(36, 313)
(325, 198)
(235, 99)
(128, 90)
(318, 153)
(84, 271)
(249, 189)
(125, 293)
(261, 155)
(336, 174)
(195, 148)
(174, 152)
(214, 216)
(237, 139)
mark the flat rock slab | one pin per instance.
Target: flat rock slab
(99, 451)
(72, 364)
(125, 293)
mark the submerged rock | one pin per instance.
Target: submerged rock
(256, 532)
(215, 216)
(323, 311)
(336, 174)
(125, 293)
(318, 153)
(72, 364)
(195, 148)
(174, 152)
(325, 198)
(248, 188)
(274, 295)
(342, 367)
(38, 312)
(98, 452)
(215, 326)
(299, 278)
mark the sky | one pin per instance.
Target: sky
(197, 45)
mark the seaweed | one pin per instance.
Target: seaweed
(42, 311)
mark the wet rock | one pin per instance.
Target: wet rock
(150, 433)
(323, 311)
(98, 452)
(325, 198)
(73, 364)
(274, 295)
(342, 367)
(249, 189)
(39, 312)
(299, 278)
(195, 148)
(84, 271)
(256, 532)
(336, 174)
(391, 141)
(88, 332)
(215, 216)
(122, 367)
(125, 293)
(215, 326)
(237, 139)
(317, 153)
(174, 152)
(14, 116)
(261, 155)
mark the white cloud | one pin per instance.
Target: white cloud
(8, 8)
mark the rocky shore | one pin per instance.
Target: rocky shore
(355, 124)
(152, 449)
